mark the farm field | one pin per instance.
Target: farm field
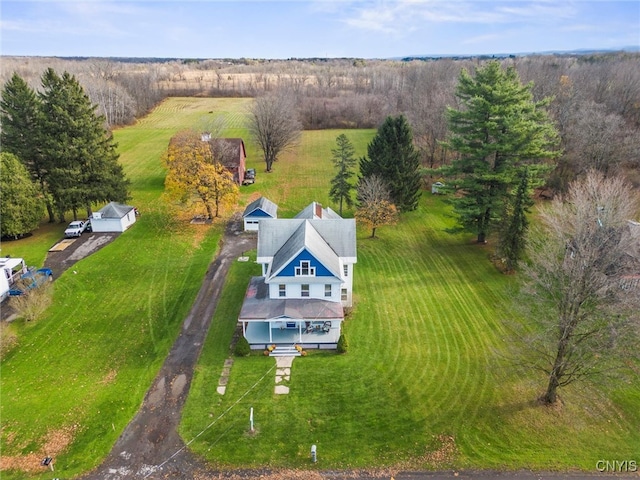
(424, 384)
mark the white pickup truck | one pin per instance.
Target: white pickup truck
(76, 228)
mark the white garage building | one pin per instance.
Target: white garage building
(113, 217)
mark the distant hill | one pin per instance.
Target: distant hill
(582, 51)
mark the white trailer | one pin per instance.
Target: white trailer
(11, 269)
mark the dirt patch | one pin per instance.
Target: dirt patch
(55, 443)
(109, 378)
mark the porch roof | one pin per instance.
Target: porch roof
(257, 306)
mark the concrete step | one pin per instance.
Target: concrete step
(284, 352)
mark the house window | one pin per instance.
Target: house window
(343, 294)
(345, 269)
(282, 290)
(304, 290)
(327, 289)
(305, 269)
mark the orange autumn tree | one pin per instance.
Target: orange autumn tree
(195, 175)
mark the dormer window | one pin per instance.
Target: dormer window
(305, 269)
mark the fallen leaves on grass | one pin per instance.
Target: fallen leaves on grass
(287, 474)
(55, 443)
(440, 454)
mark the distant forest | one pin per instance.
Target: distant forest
(595, 96)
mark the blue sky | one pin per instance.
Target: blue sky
(312, 28)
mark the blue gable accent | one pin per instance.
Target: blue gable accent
(290, 269)
(259, 213)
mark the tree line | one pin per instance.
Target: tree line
(62, 144)
(595, 98)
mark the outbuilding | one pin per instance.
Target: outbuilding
(113, 217)
(259, 209)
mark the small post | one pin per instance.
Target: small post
(251, 421)
(313, 454)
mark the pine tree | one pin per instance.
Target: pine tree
(392, 156)
(498, 129)
(20, 117)
(344, 161)
(512, 239)
(83, 157)
(20, 204)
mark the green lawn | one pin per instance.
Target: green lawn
(423, 384)
(79, 374)
(424, 364)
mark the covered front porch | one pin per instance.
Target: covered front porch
(286, 332)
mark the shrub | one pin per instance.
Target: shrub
(342, 344)
(32, 305)
(242, 347)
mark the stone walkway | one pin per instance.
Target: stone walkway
(224, 377)
(283, 374)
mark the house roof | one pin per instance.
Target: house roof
(258, 306)
(305, 237)
(228, 150)
(115, 210)
(315, 210)
(338, 234)
(263, 204)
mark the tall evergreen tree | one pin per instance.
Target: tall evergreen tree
(392, 156)
(512, 239)
(20, 117)
(344, 161)
(498, 128)
(20, 205)
(82, 153)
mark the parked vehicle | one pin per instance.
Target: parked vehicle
(76, 228)
(249, 176)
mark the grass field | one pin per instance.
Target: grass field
(423, 384)
(78, 375)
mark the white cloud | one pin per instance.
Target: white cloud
(402, 15)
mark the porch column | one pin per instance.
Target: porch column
(270, 336)
(244, 330)
(299, 331)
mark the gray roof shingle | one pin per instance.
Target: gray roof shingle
(263, 204)
(115, 210)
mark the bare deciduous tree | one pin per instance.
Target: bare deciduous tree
(273, 125)
(374, 204)
(577, 282)
(597, 138)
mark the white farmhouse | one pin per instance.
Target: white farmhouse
(307, 280)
